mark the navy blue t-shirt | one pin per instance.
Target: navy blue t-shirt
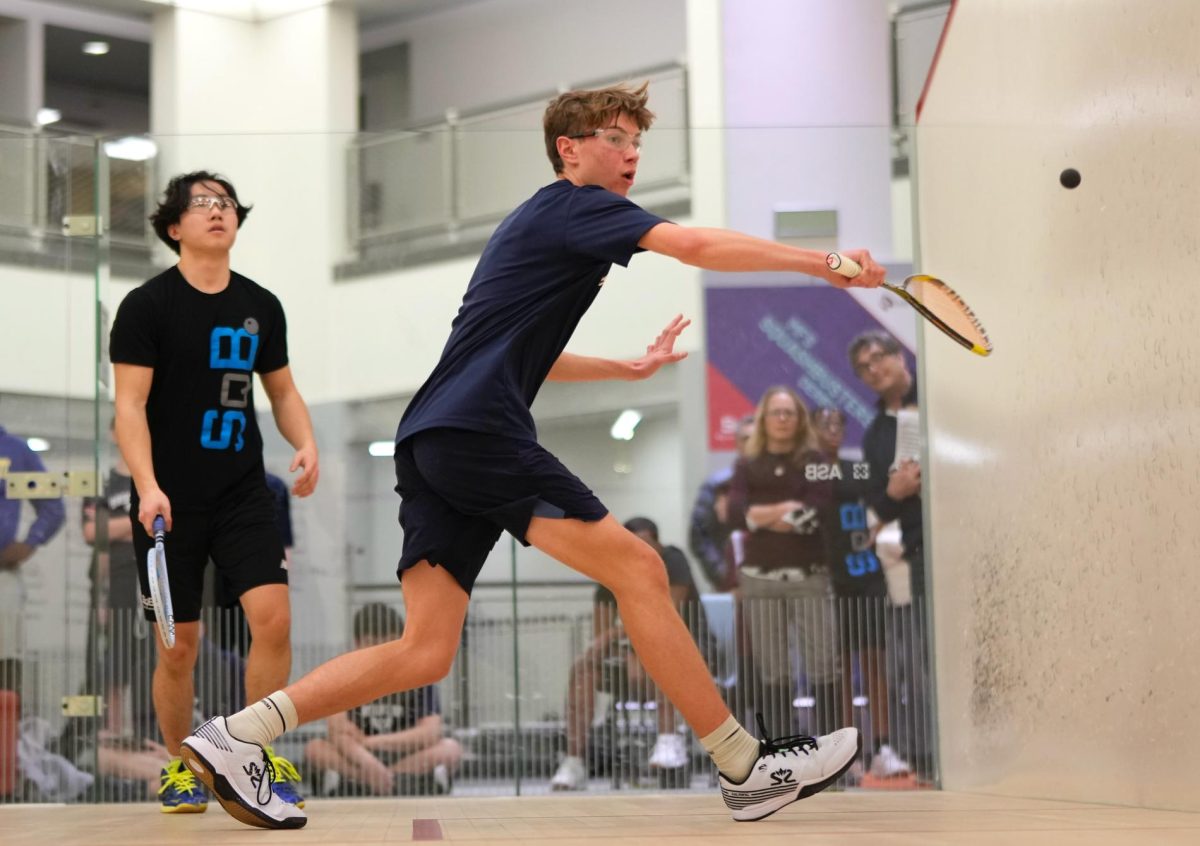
(538, 274)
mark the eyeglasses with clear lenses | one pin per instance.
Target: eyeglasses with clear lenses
(782, 413)
(207, 202)
(615, 137)
(869, 361)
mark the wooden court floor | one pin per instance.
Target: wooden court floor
(853, 817)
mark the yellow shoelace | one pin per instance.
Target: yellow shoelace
(178, 777)
(285, 770)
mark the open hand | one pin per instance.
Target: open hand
(662, 351)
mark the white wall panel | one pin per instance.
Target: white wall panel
(1063, 471)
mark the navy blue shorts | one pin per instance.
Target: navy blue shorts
(460, 489)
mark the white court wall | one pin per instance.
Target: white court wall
(1062, 472)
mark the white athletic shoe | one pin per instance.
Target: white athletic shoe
(789, 769)
(239, 775)
(670, 752)
(887, 764)
(443, 782)
(571, 775)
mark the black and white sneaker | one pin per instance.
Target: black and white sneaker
(239, 775)
(789, 769)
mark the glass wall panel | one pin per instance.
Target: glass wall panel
(546, 693)
(53, 203)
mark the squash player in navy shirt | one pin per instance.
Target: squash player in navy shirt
(468, 466)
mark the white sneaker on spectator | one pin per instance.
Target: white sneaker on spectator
(887, 764)
(239, 775)
(789, 769)
(442, 782)
(669, 753)
(571, 775)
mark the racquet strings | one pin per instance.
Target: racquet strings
(948, 306)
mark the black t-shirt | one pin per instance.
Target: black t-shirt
(538, 274)
(122, 590)
(204, 435)
(879, 451)
(855, 568)
(396, 712)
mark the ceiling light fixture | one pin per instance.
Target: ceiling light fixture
(131, 148)
(625, 424)
(45, 116)
(95, 48)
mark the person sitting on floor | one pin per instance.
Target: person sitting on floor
(393, 745)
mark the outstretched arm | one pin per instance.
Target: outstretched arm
(582, 368)
(725, 250)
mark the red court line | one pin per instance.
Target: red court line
(426, 830)
(937, 54)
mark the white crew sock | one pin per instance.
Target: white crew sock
(733, 749)
(265, 720)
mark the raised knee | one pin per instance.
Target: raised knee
(427, 662)
(316, 746)
(642, 572)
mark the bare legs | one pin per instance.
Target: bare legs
(269, 663)
(607, 552)
(435, 606)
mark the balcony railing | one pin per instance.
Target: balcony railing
(452, 181)
(46, 178)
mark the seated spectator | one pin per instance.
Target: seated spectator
(610, 644)
(391, 746)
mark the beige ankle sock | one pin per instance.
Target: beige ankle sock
(733, 749)
(265, 720)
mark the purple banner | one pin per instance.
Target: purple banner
(794, 336)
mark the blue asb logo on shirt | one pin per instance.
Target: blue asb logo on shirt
(861, 561)
(233, 350)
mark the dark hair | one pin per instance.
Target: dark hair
(175, 203)
(828, 411)
(642, 524)
(873, 336)
(378, 620)
(577, 112)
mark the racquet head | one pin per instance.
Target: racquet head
(160, 588)
(934, 300)
(946, 310)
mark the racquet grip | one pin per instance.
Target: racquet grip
(839, 263)
(160, 526)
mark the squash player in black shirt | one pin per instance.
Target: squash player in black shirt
(184, 347)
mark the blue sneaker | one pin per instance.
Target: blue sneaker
(287, 780)
(180, 792)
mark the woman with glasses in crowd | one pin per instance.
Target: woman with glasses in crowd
(784, 578)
